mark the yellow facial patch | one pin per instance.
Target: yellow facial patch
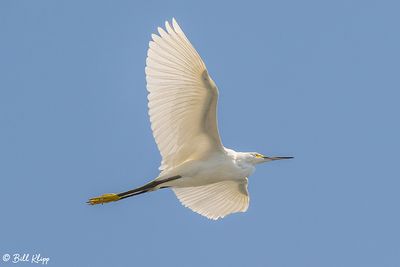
(259, 156)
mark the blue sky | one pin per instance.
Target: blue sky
(318, 80)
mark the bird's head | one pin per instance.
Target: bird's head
(256, 158)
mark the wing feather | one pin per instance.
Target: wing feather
(216, 200)
(182, 98)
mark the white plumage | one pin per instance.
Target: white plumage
(182, 98)
(205, 176)
(215, 200)
(182, 108)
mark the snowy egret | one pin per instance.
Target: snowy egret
(206, 177)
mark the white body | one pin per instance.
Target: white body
(217, 167)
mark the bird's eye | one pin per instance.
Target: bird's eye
(258, 155)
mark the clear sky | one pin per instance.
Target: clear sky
(318, 80)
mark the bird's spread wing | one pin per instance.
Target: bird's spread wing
(182, 98)
(216, 200)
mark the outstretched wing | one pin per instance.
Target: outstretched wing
(182, 98)
(216, 200)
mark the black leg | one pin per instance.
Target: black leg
(146, 188)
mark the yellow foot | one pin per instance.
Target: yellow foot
(103, 199)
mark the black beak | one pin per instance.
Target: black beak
(277, 158)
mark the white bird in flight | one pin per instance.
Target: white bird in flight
(205, 176)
